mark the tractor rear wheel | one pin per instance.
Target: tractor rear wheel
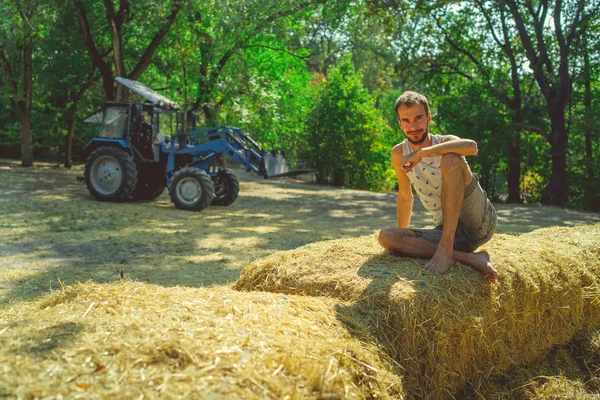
(110, 174)
(227, 188)
(191, 189)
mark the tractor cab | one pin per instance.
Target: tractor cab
(142, 127)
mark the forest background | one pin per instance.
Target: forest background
(317, 79)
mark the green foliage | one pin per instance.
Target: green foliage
(471, 114)
(345, 133)
(318, 80)
(273, 98)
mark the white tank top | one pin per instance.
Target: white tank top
(426, 179)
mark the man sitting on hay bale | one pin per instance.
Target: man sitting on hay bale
(435, 166)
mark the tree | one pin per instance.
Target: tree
(583, 109)
(549, 33)
(64, 77)
(271, 98)
(16, 54)
(135, 30)
(227, 29)
(346, 131)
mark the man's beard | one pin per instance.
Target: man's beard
(419, 140)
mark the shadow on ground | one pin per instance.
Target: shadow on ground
(51, 229)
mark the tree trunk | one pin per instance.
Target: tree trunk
(205, 90)
(555, 193)
(338, 177)
(514, 138)
(587, 124)
(208, 114)
(514, 169)
(69, 141)
(555, 84)
(24, 105)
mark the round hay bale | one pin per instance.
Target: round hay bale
(447, 331)
(129, 339)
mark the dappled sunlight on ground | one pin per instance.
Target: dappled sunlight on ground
(51, 229)
(517, 219)
(53, 234)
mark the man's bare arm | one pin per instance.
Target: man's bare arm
(405, 196)
(451, 144)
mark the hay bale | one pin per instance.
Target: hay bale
(134, 340)
(453, 330)
(559, 387)
(563, 374)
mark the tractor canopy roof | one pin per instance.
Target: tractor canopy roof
(147, 93)
(153, 97)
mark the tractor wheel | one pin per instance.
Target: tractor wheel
(110, 174)
(227, 188)
(191, 189)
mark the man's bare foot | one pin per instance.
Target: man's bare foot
(481, 262)
(440, 262)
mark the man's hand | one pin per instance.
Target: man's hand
(409, 161)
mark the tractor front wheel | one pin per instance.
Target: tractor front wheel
(110, 174)
(191, 189)
(227, 188)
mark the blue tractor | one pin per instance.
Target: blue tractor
(140, 150)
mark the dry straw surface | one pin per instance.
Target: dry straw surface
(173, 328)
(134, 340)
(451, 331)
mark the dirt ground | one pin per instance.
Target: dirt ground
(52, 230)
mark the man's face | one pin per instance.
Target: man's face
(414, 122)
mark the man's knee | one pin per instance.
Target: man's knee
(454, 164)
(450, 161)
(391, 238)
(384, 237)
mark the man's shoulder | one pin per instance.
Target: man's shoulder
(398, 148)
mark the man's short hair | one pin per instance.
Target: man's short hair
(409, 99)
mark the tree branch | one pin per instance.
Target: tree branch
(539, 33)
(533, 129)
(490, 24)
(577, 21)
(88, 81)
(156, 41)
(456, 46)
(23, 14)
(259, 27)
(558, 27)
(116, 21)
(7, 67)
(277, 49)
(90, 44)
(439, 69)
(530, 50)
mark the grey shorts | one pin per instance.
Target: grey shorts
(476, 225)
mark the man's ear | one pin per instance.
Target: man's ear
(429, 117)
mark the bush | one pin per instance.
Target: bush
(345, 134)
